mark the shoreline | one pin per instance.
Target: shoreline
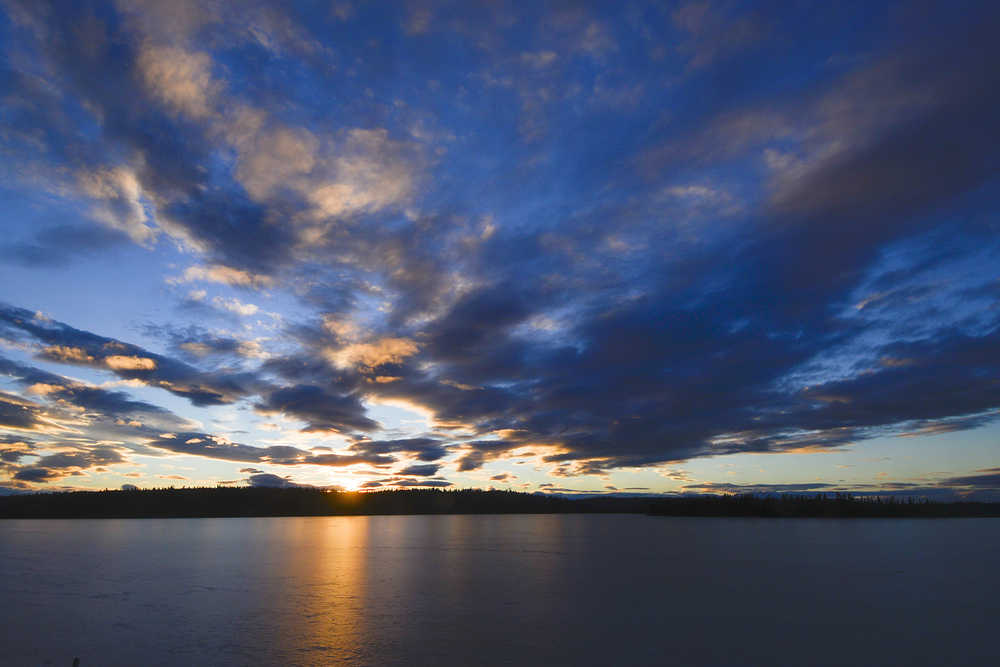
(227, 502)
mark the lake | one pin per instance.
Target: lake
(500, 590)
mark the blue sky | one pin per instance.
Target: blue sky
(608, 247)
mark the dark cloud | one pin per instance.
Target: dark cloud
(988, 479)
(270, 481)
(17, 413)
(202, 444)
(323, 410)
(425, 449)
(94, 456)
(66, 344)
(37, 474)
(944, 383)
(479, 451)
(714, 32)
(404, 482)
(350, 459)
(686, 379)
(61, 244)
(196, 343)
(13, 455)
(938, 153)
(425, 470)
(697, 360)
(102, 69)
(113, 408)
(243, 233)
(69, 462)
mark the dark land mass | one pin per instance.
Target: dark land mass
(247, 502)
(840, 505)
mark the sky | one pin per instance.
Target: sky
(558, 247)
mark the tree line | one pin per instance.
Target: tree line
(299, 501)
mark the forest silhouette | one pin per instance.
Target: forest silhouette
(298, 501)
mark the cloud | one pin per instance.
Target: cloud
(268, 480)
(235, 306)
(66, 354)
(986, 479)
(374, 354)
(694, 202)
(20, 414)
(217, 447)
(198, 344)
(60, 245)
(424, 470)
(155, 106)
(120, 202)
(323, 410)
(67, 463)
(538, 60)
(424, 449)
(372, 172)
(243, 348)
(66, 344)
(180, 79)
(271, 159)
(13, 449)
(36, 475)
(85, 417)
(480, 451)
(714, 33)
(94, 456)
(226, 275)
(403, 482)
(120, 362)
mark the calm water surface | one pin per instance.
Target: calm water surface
(500, 590)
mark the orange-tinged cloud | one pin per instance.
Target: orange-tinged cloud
(43, 388)
(370, 355)
(459, 385)
(226, 275)
(67, 354)
(120, 362)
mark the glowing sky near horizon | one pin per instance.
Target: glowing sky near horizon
(573, 247)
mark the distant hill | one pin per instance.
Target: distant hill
(237, 502)
(840, 505)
